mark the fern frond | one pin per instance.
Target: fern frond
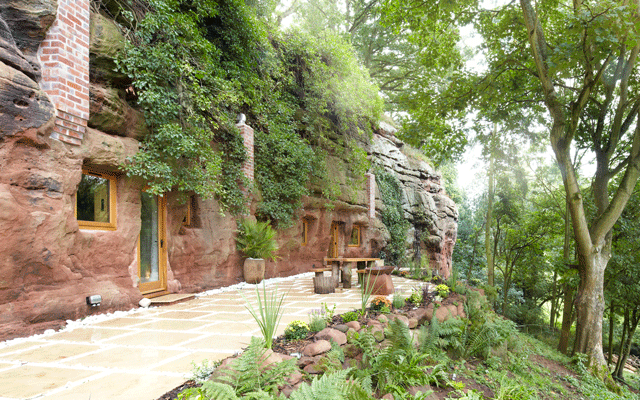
(329, 386)
(217, 390)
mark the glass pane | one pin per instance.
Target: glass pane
(93, 199)
(355, 236)
(149, 239)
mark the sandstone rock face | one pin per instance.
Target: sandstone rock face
(48, 265)
(432, 214)
(25, 110)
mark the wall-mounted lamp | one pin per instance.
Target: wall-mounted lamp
(94, 300)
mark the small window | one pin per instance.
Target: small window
(305, 232)
(187, 221)
(354, 240)
(96, 201)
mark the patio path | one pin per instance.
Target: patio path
(143, 354)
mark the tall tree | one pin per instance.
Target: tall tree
(585, 69)
(579, 59)
(416, 74)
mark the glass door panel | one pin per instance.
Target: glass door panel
(151, 242)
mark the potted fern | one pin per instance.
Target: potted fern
(256, 240)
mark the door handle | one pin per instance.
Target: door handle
(162, 243)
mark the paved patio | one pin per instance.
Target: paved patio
(146, 353)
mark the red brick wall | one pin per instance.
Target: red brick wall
(371, 194)
(247, 135)
(64, 56)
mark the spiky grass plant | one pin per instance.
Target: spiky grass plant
(366, 290)
(267, 313)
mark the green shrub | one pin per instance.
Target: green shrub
(296, 330)
(350, 316)
(443, 290)
(317, 321)
(398, 301)
(256, 239)
(246, 375)
(415, 298)
(379, 303)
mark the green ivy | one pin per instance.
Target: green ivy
(196, 64)
(392, 216)
(186, 93)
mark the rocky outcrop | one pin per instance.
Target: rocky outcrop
(25, 110)
(432, 214)
(48, 265)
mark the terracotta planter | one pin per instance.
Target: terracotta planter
(253, 270)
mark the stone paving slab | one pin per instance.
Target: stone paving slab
(147, 352)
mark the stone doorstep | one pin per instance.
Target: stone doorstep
(171, 298)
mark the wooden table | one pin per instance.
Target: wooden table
(344, 265)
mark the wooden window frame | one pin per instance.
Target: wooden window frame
(187, 222)
(359, 230)
(105, 226)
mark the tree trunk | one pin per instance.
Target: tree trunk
(473, 254)
(567, 311)
(487, 236)
(612, 320)
(567, 317)
(554, 302)
(624, 354)
(590, 307)
(623, 339)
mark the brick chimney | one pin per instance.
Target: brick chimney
(64, 56)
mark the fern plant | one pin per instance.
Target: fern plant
(248, 373)
(334, 386)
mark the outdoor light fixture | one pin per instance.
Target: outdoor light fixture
(94, 300)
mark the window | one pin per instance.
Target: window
(305, 232)
(187, 221)
(96, 201)
(354, 240)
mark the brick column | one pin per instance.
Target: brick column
(371, 194)
(64, 55)
(247, 135)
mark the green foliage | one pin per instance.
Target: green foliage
(399, 365)
(185, 91)
(296, 330)
(256, 239)
(283, 165)
(248, 373)
(366, 289)
(195, 66)
(350, 316)
(392, 216)
(334, 385)
(201, 372)
(317, 322)
(398, 301)
(443, 290)
(474, 336)
(380, 303)
(268, 313)
(415, 298)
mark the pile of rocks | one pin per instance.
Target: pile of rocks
(313, 358)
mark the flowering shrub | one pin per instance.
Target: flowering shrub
(296, 330)
(443, 290)
(318, 319)
(380, 303)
